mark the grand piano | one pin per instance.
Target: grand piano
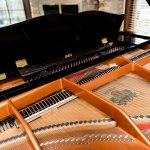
(72, 82)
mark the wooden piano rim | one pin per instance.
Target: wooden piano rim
(28, 131)
(143, 61)
(131, 67)
(147, 46)
(13, 104)
(10, 107)
(10, 83)
(117, 60)
(114, 112)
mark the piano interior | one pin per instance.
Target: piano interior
(93, 95)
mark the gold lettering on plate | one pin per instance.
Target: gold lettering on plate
(21, 63)
(68, 55)
(3, 76)
(104, 40)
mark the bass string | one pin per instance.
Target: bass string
(86, 74)
(97, 73)
(69, 112)
(11, 133)
(80, 111)
(90, 125)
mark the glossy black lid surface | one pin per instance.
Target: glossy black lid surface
(51, 37)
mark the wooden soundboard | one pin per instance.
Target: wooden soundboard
(103, 107)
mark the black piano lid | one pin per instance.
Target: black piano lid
(148, 1)
(47, 38)
(54, 36)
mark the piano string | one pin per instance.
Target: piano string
(61, 119)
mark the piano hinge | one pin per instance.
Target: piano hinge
(68, 55)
